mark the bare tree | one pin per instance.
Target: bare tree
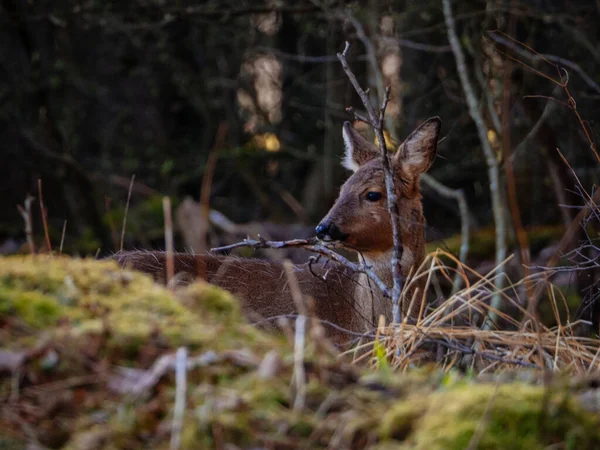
(490, 158)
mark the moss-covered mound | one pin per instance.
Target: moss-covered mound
(87, 362)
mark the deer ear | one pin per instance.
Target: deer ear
(358, 150)
(417, 152)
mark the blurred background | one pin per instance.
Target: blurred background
(94, 92)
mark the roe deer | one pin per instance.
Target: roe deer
(358, 220)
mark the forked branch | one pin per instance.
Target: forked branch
(376, 120)
(455, 194)
(312, 245)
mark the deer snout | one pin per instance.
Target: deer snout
(328, 231)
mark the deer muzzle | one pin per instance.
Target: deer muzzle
(328, 231)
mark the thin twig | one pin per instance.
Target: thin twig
(511, 184)
(136, 382)
(357, 116)
(26, 215)
(456, 194)
(207, 179)
(62, 237)
(465, 350)
(490, 157)
(376, 120)
(168, 239)
(545, 57)
(299, 375)
(44, 213)
(294, 287)
(312, 245)
(563, 243)
(126, 211)
(180, 394)
(562, 81)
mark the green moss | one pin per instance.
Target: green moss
(33, 308)
(97, 296)
(210, 299)
(399, 421)
(95, 316)
(518, 416)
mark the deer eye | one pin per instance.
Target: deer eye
(373, 196)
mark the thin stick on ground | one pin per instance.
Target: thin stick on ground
(294, 287)
(62, 237)
(126, 211)
(299, 336)
(168, 239)
(299, 375)
(376, 120)
(44, 213)
(180, 394)
(25, 211)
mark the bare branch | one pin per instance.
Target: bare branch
(490, 157)
(124, 226)
(26, 215)
(312, 245)
(541, 57)
(62, 237)
(299, 374)
(180, 393)
(377, 122)
(457, 195)
(357, 116)
(44, 213)
(168, 238)
(207, 180)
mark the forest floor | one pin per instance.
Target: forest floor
(97, 357)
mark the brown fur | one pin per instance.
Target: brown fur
(263, 286)
(346, 299)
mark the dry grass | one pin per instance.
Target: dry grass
(457, 333)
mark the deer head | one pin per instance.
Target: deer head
(359, 218)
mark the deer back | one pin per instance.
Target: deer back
(263, 286)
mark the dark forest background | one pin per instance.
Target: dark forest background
(93, 92)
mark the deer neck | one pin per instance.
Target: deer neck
(369, 299)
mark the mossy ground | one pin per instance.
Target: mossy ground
(67, 325)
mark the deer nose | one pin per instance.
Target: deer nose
(328, 231)
(322, 230)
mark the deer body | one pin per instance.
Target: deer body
(359, 220)
(263, 286)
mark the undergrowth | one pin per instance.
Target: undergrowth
(87, 362)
